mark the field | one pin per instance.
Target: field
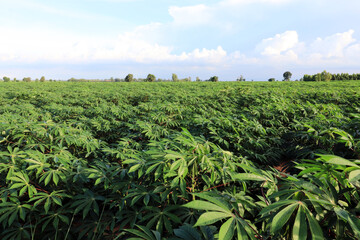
(190, 160)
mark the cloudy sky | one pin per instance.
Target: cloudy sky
(258, 39)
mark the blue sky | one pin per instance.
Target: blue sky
(258, 39)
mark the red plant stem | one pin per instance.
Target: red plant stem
(256, 232)
(221, 185)
(262, 192)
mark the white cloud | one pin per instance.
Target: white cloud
(332, 46)
(191, 15)
(353, 52)
(207, 55)
(334, 50)
(278, 44)
(241, 2)
(139, 45)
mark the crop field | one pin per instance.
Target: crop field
(180, 160)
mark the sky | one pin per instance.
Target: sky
(100, 39)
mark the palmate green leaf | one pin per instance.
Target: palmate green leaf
(282, 217)
(22, 181)
(145, 233)
(276, 205)
(52, 174)
(9, 212)
(87, 202)
(214, 198)
(175, 182)
(175, 165)
(248, 177)
(337, 160)
(227, 230)
(315, 229)
(183, 186)
(211, 217)
(354, 175)
(241, 232)
(187, 232)
(300, 225)
(134, 168)
(16, 232)
(349, 218)
(183, 169)
(203, 205)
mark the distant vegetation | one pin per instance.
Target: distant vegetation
(319, 77)
(327, 77)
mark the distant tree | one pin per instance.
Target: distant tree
(287, 75)
(344, 76)
(325, 76)
(214, 79)
(308, 78)
(42, 79)
(198, 79)
(150, 78)
(317, 77)
(27, 79)
(15, 80)
(129, 78)
(117, 80)
(6, 79)
(174, 78)
(271, 80)
(241, 79)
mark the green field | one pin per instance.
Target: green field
(190, 160)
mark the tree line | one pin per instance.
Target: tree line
(327, 77)
(318, 77)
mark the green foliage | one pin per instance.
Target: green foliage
(179, 160)
(174, 78)
(325, 76)
(241, 79)
(6, 79)
(129, 78)
(214, 79)
(287, 75)
(150, 78)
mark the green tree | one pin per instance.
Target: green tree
(129, 78)
(241, 79)
(174, 77)
(6, 79)
(318, 77)
(271, 80)
(287, 75)
(198, 79)
(150, 78)
(214, 79)
(27, 79)
(325, 76)
(42, 79)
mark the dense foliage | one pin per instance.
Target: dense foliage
(327, 77)
(195, 160)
